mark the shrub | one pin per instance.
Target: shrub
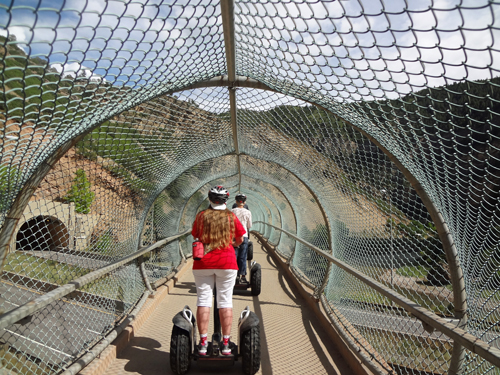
(105, 242)
(9, 177)
(80, 193)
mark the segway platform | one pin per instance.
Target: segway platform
(214, 353)
(255, 279)
(184, 343)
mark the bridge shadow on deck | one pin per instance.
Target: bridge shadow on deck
(292, 341)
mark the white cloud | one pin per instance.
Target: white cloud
(145, 38)
(75, 69)
(22, 35)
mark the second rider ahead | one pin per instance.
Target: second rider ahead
(245, 217)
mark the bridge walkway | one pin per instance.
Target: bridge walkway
(292, 341)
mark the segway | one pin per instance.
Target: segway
(255, 274)
(250, 250)
(184, 348)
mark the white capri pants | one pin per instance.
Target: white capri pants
(224, 281)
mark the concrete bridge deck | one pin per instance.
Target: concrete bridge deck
(292, 339)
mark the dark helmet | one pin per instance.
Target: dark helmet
(240, 198)
(218, 195)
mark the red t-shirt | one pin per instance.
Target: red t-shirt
(221, 258)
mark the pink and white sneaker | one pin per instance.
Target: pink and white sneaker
(226, 347)
(202, 349)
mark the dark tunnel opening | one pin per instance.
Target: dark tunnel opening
(42, 233)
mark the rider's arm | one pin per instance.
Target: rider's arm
(237, 241)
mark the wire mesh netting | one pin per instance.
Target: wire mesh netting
(369, 129)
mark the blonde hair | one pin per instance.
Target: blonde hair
(217, 228)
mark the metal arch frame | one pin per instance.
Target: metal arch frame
(277, 207)
(255, 192)
(227, 12)
(155, 196)
(441, 226)
(311, 191)
(458, 284)
(208, 182)
(315, 196)
(279, 210)
(277, 187)
(318, 289)
(456, 273)
(258, 192)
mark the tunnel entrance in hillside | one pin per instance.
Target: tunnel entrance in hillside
(42, 233)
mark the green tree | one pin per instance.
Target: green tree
(80, 193)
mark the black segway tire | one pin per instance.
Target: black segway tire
(250, 351)
(250, 250)
(179, 351)
(255, 281)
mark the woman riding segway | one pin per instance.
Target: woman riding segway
(216, 227)
(215, 268)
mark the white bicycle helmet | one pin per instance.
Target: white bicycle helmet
(218, 195)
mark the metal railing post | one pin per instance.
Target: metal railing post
(144, 275)
(319, 290)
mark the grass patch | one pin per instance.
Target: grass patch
(422, 354)
(43, 269)
(374, 272)
(367, 297)
(413, 271)
(433, 304)
(106, 286)
(60, 273)
(370, 296)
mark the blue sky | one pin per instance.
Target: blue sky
(129, 42)
(348, 49)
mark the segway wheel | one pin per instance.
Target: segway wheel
(250, 351)
(179, 351)
(250, 251)
(255, 281)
